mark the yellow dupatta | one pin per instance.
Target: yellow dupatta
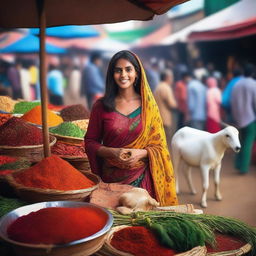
(152, 138)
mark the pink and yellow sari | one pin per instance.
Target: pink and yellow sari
(139, 130)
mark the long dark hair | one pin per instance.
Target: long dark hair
(111, 90)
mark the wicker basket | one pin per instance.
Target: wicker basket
(80, 163)
(108, 250)
(241, 251)
(33, 153)
(68, 139)
(34, 195)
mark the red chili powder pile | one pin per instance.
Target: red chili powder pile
(53, 173)
(139, 241)
(34, 116)
(17, 132)
(57, 225)
(226, 243)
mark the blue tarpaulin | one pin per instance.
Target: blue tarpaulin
(30, 44)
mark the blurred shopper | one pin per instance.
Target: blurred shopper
(181, 97)
(166, 102)
(92, 79)
(34, 79)
(13, 75)
(25, 80)
(226, 94)
(152, 74)
(196, 103)
(213, 99)
(5, 84)
(55, 83)
(74, 84)
(200, 70)
(243, 107)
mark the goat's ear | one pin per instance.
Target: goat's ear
(224, 125)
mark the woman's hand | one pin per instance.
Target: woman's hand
(131, 156)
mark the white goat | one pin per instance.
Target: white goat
(204, 150)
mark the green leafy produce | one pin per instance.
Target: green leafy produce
(25, 106)
(68, 129)
(9, 204)
(182, 232)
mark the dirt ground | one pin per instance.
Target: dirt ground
(238, 192)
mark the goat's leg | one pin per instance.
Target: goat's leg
(217, 182)
(189, 180)
(205, 178)
(176, 158)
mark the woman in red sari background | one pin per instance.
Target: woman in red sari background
(125, 140)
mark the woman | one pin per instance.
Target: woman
(213, 99)
(125, 140)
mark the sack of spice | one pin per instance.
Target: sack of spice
(68, 129)
(74, 112)
(34, 116)
(17, 132)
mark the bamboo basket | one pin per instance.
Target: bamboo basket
(80, 163)
(108, 250)
(33, 153)
(68, 139)
(35, 195)
(241, 251)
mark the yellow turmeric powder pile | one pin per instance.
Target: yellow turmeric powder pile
(34, 116)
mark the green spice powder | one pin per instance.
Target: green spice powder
(68, 129)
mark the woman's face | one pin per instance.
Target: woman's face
(124, 73)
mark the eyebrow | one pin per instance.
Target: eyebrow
(130, 66)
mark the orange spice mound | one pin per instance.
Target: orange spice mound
(53, 173)
(34, 116)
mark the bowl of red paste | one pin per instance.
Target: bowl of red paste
(56, 228)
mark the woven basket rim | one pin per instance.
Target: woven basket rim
(66, 137)
(18, 186)
(240, 251)
(53, 138)
(200, 249)
(77, 158)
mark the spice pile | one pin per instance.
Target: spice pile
(34, 116)
(68, 129)
(63, 149)
(4, 118)
(74, 112)
(24, 106)
(57, 225)
(139, 241)
(53, 173)
(82, 124)
(17, 132)
(7, 104)
(8, 164)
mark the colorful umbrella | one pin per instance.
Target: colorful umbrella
(30, 44)
(68, 31)
(48, 13)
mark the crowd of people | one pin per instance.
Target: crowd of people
(200, 96)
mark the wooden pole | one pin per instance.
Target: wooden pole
(42, 75)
